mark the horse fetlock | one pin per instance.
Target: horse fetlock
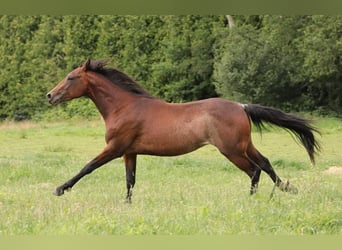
(129, 195)
(254, 189)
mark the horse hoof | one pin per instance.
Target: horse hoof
(287, 187)
(58, 192)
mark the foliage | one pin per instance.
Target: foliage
(185, 66)
(287, 62)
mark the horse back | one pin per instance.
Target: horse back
(168, 129)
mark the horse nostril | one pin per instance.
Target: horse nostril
(48, 96)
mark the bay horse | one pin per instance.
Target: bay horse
(139, 123)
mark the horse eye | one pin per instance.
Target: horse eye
(70, 78)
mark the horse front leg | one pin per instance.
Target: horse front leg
(105, 156)
(130, 164)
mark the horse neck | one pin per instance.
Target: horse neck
(107, 97)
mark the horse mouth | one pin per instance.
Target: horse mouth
(54, 100)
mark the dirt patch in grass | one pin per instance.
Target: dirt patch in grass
(334, 170)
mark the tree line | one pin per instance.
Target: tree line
(288, 62)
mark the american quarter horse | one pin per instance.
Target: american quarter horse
(138, 123)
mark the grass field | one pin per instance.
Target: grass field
(198, 193)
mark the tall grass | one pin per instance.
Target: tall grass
(198, 193)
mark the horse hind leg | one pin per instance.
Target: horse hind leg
(266, 166)
(244, 163)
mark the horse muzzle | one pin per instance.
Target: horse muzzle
(53, 98)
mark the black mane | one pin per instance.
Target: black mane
(117, 77)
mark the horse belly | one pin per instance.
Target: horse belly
(170, 140)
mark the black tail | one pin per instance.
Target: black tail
(301, 128)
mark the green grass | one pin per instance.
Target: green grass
(198, 193)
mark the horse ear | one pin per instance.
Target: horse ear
(86, 65)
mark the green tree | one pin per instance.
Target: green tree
(184, 69)
(290, 62)
(16, 33)
(260, 65)
(170, 55)
(80, 39)
(322, 66)
(133, 42)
